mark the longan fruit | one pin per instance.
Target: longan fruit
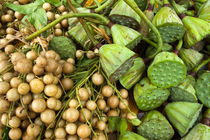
(4, 87)
(83, 131)
(14, 122)
(15, 133)
(50, 90)
(48, 116)
(37, 86)
(72, 115)
(33, 130)
(71, 128)
(113, 101)
(73, 103)
(83, 94)
(107, 91)
(97, 79)
(13, 95)
(15, 81)
(4, 105)
(68, 68)
(23, 88)
(85, 114)
(60, 133)
(38, 105)
(67, 83)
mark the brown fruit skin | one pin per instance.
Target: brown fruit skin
(15, 57)
(38, 70)
(51, 65)
(33, 130)
(24, 1)
(23, 88)
(37, 86)
(41, 61)
(4, 105)
(83, 94)
(12, 95)
(101, 104)
(72, 115)
(60, 133)
(67, 83)
(24, 66)
(21, 112)
(113, 101)
(51, 90)
(14, 122)
(71, 128)
(15, 133)
(38, 105)
(85, 114)
(107, 91)
(68, 68)
(4, 87)
(83, 131)
(124, 93)
(15, 81)
(97, 79)
(48, 116)
(7, 76)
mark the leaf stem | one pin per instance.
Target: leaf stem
(203, 63)
(103, 20)
(153, 28)
(107, 3)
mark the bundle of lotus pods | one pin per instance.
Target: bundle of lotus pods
(105, 69)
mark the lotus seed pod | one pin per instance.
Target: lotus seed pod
(184, 91)
(199, 132)
(202, 88)
(133, 75)
(204, 12)
(155, 127)
(167, 70)
(80, 36)
(116, 60)
(169, 25)
(148, 96)
(131, 136)
(191, 58)
(183, 115)
(196, 30)
(125, 36)
(64, 46)
(123, 14)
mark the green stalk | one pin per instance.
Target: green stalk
(203, 63)
(70, 15)
(173, 3)
(153, 28)
(103, 6)
(179, 45)
(84, 25)
(150, 42)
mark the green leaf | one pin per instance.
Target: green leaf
(113, 123)
(38, 18)
(27, 8)
(122, 126)
(5, 133)
(56, 3)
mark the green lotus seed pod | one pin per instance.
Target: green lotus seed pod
(202, 88)
(184, 91)
(204, 12)
(131, 136)
(116, 60)
(191, 58)
(125, 36)
(133, 75)
(155, 127)
(64, 46)
(199, 132)
(196, 30)
(78, 34)
(124, 15)
(148, 96)
(167, 70)
(169, 25)
(183, 115)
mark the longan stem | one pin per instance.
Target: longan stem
(153, 28)
(103, 20)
